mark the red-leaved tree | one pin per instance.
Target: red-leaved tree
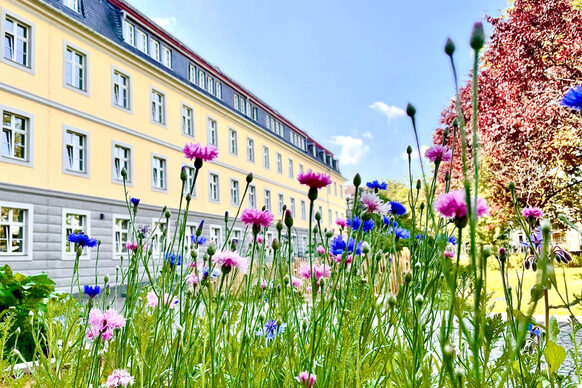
(533, 57)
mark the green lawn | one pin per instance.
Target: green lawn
(573, 279)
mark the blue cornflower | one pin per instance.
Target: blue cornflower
(91, 291)
(338, 246)
(82, 240)
(420, 236)
(537, 239)
(354, 223)
(367, 225)
(389, 222)
(173, 260)
(200, 240)
(573, 98)
(453, 240)
(397, 208)
(144, 230)
(401, 233)
(377, 185)
(215, 272)
(134, 201)
(534, 331)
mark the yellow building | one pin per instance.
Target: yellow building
(88, 87)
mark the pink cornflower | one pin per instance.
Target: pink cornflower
(321, 271)
(454, 205)
(341, 222)
(374, 204)
(119, 378)
(192, 278)
(533, 212)
(305, 271)
(320, 250)
(314, 179)
(131, 246)
(296, 282)
(306, 379)
(255, 217)
(197, 151)
(227, 260)
(449, 254)
(259, 240)
(338, 259)
(263, 284)
(103, 323)
(170, 302)
(439, 153)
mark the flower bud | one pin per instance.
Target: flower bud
(421, 206)
(418, 184)
(409, 150)
(410, 110)
(211, 250)
(365, 247)
(168, 214)
(512, 186)
(459, 373)
(477, 37)
(275, 244)
(226, 217)
(317, 216)
(288, 218)
(449, 47)
(279, 226)
(392, 300)
(502, 254)
(249, 177)
(357, 180)
(417, 266)
(419, 300)
(329, 234)
(106, 278)
(448, 350)
(179, 328)
(183, 174)
(407, 276)
(188, 197)
(124, 172)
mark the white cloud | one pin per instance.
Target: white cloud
(414, 154)
(367, 135)
(390, 111)
(352, 149)
(166, 23)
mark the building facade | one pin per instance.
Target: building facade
(88, 87)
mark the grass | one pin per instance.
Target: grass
(573, 280)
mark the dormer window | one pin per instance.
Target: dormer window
(155, 49)
(167, 57)
(72, 4)
(128, 33)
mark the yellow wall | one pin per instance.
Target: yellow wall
(52, 30)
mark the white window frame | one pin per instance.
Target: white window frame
(234, 192)
(303, 210)
(266, 158)
(86, 148)
(210, 84)
(291, 169)
(157, 107)
(189, 179)
(28, 136)
(30, 40)
(218, 89)
(292, 206)
(329, 217)
(250, 150)
(201, 79)
(253, 196)
(155, 169)
(192, 73)
(128, 30)
(142, 37)
(232, 141)
(279, 162)
(28, 231)
(157, 245)
(212, 131)
(167, 57)
(115, 230)
(154, 49)
(187, 118)
(73, 5)
(211, 198)
(129, 177)
(280, 202)
(86, 251)
(117, 72)
(213, 228)
(67, 46)
(255, 113)
(267, 199)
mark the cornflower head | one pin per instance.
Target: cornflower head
(82, 240)
(102, 324)
(454, 205)
(144, 230)
(226, 260)
(135, 203)
(376, 185)
(131, 246)
(257, 219)
(321, 271)
(449, 254)
(354, 223)
(341, 222)
(397, 208)
(169, 302)
(192, 280)
(173, 260)
(305, 271)
(306, 379)
(91, 291)
(338, 246)
(367, 226)
(320, 250)
(573, 98)
(374, 204)
(399, 232)
(531, 213)
(438, 153)
(200, 153)
(272, 329)
(296, 282)
(315, 181)
(200, 240)
(119, 378)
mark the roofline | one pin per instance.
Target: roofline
(125, 6)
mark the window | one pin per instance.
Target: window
(248, 110)
(128, 33)
(215, 235)
(236, 237)
(15, 229)
(297, 139)
(75, 69)
(142, 41)
(74, 221)
(159, 173)
(266, 157)
(192, 73)
(320, 211)
(336, 215)
(250, 150)
(17, 42)
(189, 181)
(329, 220)
(187, 121)
(167, 57)
(341, 192)
(159, 235)
(300, 167)
(155, 49)
(72, 4)
(281, 202)
(201, 79)
(303, 210)
(120, 90)
(292, 206)
(212, 132)
(274, 125)
(335, 188)
(234, 192)
(158, 107)
(120, 234)
(210, 84)
(121, 160)
(218, 90)
(213, 192)
(255, 113)
(291, 174)
(236, 101)
(76, 154)
(253, 197)
(279, 159)
(15, 140)
(232, 142)
(268, 200)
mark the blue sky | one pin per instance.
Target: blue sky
(341, 72)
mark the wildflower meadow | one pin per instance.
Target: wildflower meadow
(395, 295)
